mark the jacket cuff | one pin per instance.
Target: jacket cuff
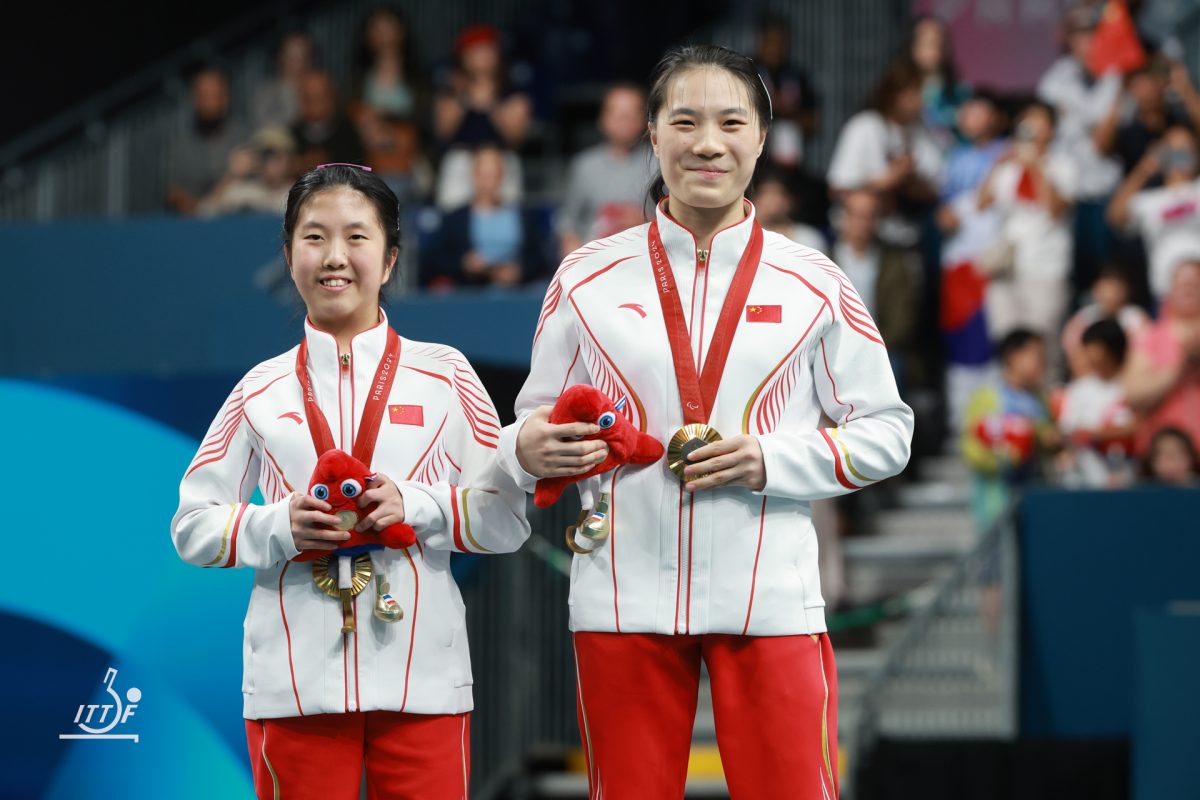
(421, 511)
(507, 456)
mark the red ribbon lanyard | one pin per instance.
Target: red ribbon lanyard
(368, 428)
(698, 393)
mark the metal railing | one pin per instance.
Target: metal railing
(952, 672)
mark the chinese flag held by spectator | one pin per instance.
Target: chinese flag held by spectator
(1115, 42)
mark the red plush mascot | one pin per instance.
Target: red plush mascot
(339, 479)
(626, 444)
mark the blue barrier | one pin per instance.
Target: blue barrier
(164, 296)
(1089, 560)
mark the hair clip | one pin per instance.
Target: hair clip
(767, 92)
(344, 164)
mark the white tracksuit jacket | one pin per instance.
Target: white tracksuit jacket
(727, 560)
(443, 457)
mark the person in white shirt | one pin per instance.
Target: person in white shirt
(887, 149)
(368, 669)
(703, 328)
(1032, 187)
(1167, 217)
(1095, 421)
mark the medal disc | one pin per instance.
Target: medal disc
(684, 442)
(346, 520)
(326, 579)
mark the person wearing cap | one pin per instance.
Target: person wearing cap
(479, 105)
(258, 177)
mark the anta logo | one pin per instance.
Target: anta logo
(641, 312)
(293, 416)
(97, 720)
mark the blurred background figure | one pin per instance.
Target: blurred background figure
(1032, 188)
(887, 149)
(387, 78)
(489, 241)
(1096, 424)
(277, 99)
(967, 232)
(942, 93)
(1142, 113)
(886, 277)
(793, 99)
(1109, 299)
(1160, 202)
(1162, 380)
(606, 184)
(323, 132)
(200, 152)
(479, 104)
(258, 178)
(774, 208)
(1172, 460)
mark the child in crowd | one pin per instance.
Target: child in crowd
(1172, 460)
(1007, 425)
(1110, 300)
(1094, 418)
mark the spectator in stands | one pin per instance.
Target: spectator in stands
(774, 208)
(277, 100)
(793, 100)
(489, 241)
(1172, 459)
(394, 151)
(1094, 418)
(941, 92)
(1162, 379)
(885, 276)
(1008, 425)
(1081, 102)
(479, 105)
(323, 133)
(887, 149)
(1130, 139)
(1166, 217)
(1033, 188)
(1109, 300)
(200, 154)
(967, 232)
(258, 177)
(606, 184)
(387, 79)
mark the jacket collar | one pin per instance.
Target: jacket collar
(366, 348)
(727, 245)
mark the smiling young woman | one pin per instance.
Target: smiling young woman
(330, 688)
(727, 342)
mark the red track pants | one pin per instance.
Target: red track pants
(321, 757)
(774, 700)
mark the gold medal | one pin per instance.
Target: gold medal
(686, 441)
(386, 607)
(346, 520)
(325, 574)
(594, 525)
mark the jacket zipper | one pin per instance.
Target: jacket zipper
(345, 361)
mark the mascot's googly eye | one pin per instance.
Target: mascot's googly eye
(607, 420)
(351, 488)
(320, 491)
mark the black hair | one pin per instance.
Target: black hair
(1169, 432)
(1113, 270)
(902, 75)
(1109, 334)
(1041, 105)
(365, 58)
(387, 207)
(681, 59)
(1015, 341)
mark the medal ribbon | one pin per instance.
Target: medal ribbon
(368, 428)
(698, 392)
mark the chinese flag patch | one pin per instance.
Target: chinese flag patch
(406, 415)
(764, 313)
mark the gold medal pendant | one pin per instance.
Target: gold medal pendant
(686, 441)
(327, 578)
(386, 607)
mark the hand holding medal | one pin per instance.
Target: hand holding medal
(736, 461)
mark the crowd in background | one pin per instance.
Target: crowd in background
(1033, 263)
